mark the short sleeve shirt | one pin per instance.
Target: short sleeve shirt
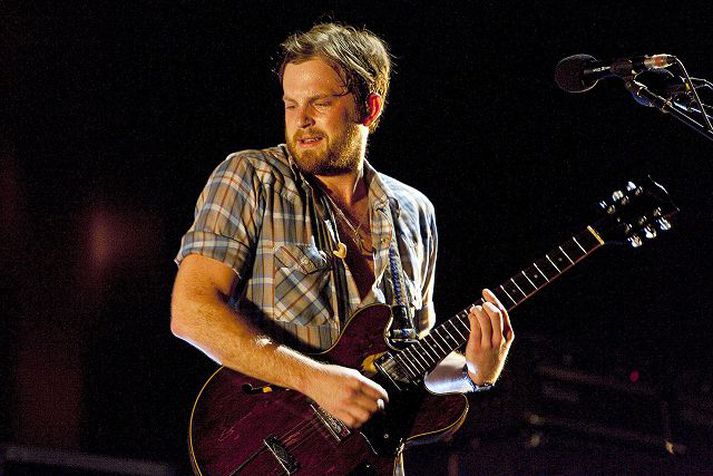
(258, 215)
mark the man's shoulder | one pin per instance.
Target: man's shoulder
(409, 198)
(265, 163)
(268, 167)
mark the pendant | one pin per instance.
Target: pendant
(341, 251)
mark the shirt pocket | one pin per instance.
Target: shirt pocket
(303, 288)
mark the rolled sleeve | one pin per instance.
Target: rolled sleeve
(227, 216)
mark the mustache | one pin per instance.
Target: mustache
(307, 133)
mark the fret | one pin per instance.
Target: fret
(508, 294)
(546, 264)
(456, 329)
(535, 276)
(543, 274)
(566, 255)
(559, 257)
(513, 291)
(442, 351)
(436, 333)
(553, 264)
(425, 341)
(529, 280)
(518, 288)
(403, 363)
(463, 322)
(449, 334)
(418, 354)
(499, 295)
(424, 353)
(573, 250)
(415, 360)
(580, 246)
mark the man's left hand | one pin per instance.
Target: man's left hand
(490, 338)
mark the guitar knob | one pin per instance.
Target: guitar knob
(664, 224)
(635, 241)
(650, 232)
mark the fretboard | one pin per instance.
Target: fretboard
(424, 355)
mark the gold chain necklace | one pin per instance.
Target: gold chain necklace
(356, 234)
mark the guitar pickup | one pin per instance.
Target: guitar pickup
(389, 367)
(279, 451)
(336, 428)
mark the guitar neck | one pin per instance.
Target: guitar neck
(424, 355)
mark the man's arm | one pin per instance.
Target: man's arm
(489, 342)
(201, 316)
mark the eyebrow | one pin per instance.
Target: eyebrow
(319, 96)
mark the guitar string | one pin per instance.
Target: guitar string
(311, 425)
(292, 437)
(306, 430)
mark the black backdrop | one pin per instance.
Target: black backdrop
(115, 114)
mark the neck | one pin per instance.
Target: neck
(345, 189)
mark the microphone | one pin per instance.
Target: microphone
(580, 73)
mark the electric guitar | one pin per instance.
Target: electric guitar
(240, 425)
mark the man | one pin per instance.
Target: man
(288, 242)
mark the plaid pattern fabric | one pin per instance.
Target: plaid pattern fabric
(258, 215)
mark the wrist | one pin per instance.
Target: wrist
(475, 387)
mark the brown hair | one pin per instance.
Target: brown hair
(361, 57)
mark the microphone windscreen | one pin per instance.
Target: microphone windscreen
(569, 73)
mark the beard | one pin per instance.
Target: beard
(336, 155)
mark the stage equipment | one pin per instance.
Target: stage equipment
(678, 96)
(580, 73)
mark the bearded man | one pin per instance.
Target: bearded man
(291, 241)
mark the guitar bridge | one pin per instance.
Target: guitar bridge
(279, 451)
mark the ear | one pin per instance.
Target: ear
(374, 105)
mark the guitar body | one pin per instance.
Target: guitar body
(236, 428)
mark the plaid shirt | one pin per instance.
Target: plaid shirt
(258, 215)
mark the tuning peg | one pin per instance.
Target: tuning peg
(630, 186)
(610, 209)
(664, 224)
(618, 195)
(650, 232)
(635, 241)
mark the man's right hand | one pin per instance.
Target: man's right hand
(346, 394)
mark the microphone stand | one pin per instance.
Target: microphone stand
(647, 97)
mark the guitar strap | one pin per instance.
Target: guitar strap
(402, 328)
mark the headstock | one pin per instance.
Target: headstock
(635, 213)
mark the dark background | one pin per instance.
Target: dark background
(115, 113)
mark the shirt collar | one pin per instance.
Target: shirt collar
(379, 193)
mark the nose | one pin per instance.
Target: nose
(304, 119)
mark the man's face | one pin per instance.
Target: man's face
(322, 127)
